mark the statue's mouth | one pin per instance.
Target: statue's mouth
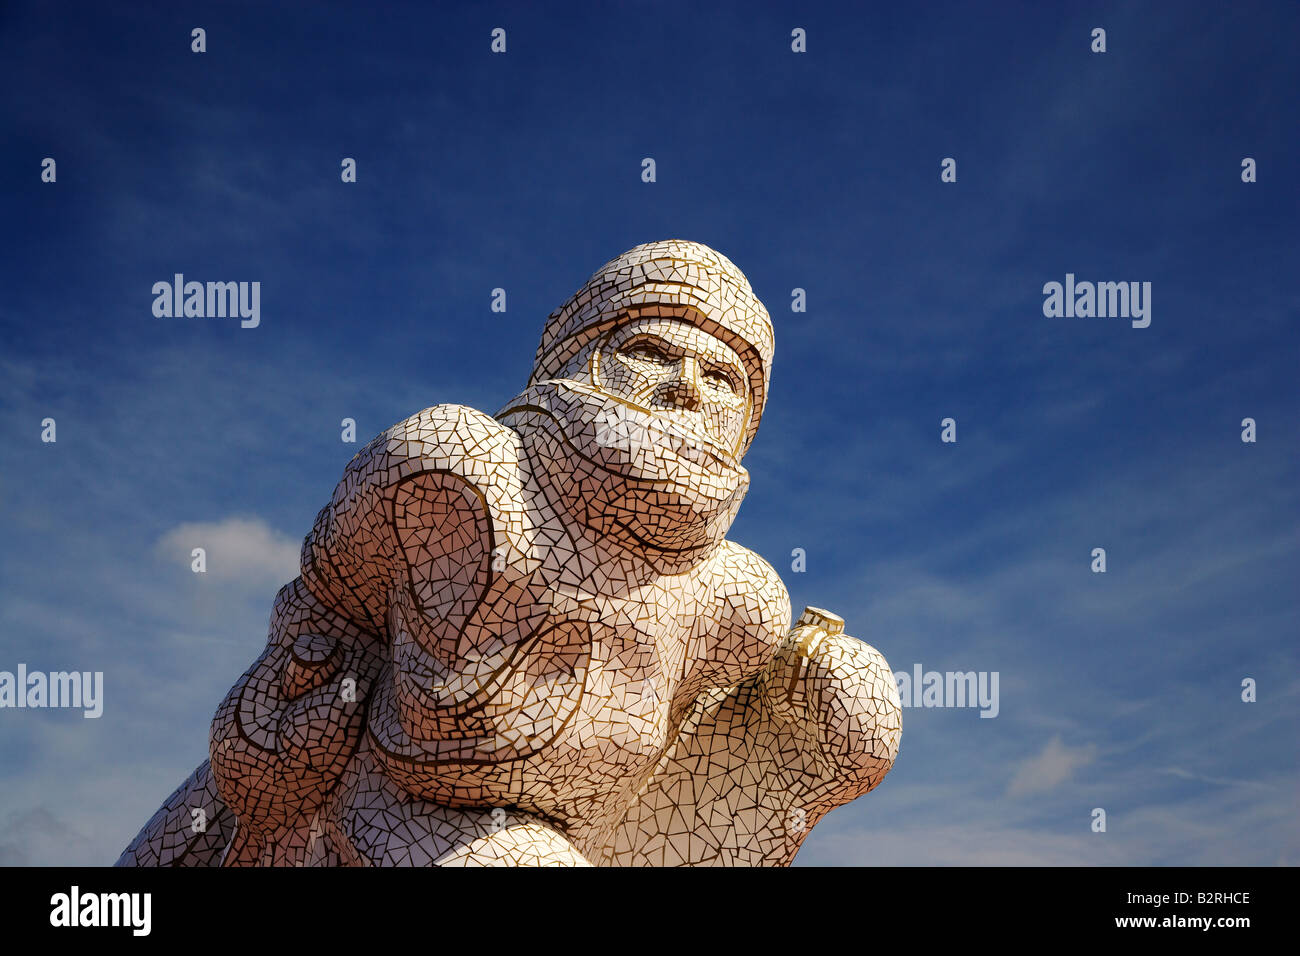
(629, 468)
(638, 432)
(634, 441)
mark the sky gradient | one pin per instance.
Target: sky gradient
(818, 171)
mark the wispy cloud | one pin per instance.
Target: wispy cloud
(1216, 781)
(1051, 767)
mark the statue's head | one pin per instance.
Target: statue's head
(671, 328)
(653, 377)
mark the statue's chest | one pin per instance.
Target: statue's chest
(618, 636)
(559, 677)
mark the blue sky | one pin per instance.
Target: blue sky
(818, 170)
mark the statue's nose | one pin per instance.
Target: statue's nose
(684, 390)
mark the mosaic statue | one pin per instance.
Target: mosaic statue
(525, 640)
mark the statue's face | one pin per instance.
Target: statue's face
(640, 433)
(679, 371)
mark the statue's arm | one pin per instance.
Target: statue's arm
(297, 713)
(287, 730)
(191, 828)
(816, 727)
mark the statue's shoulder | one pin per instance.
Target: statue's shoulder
(451, 428)
(447, 440)
(452, 438)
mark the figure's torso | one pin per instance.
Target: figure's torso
(534, 663)
(543, 681)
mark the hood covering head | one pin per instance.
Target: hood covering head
(700, 285)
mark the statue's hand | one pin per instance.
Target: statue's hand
(837, 696)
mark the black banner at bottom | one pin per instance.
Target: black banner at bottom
(483, 909)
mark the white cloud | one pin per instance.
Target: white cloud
(1050, 768)
(243, 550)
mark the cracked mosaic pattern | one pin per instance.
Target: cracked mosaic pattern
(525, 640)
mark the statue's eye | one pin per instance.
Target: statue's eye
(646, 352)
(719, 378)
